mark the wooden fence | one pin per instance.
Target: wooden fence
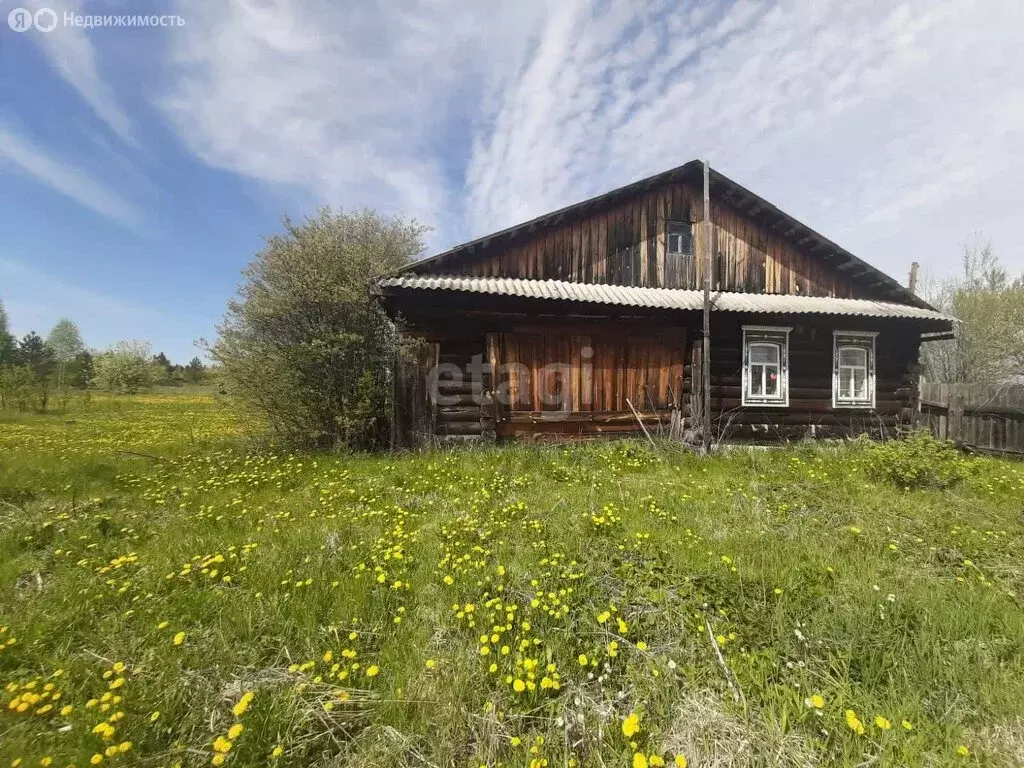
(975, 416)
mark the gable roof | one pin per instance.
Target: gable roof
(722, 188)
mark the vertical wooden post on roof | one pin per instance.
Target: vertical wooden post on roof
(706, 348)
(912, 280)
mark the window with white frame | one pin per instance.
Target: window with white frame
(765, 366)
(853, 369)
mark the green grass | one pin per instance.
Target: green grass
(128, 522)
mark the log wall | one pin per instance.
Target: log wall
(810, 412)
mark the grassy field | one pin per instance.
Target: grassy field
(169, 598)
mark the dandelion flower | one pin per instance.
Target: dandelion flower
(235, 731)
(963, 751)
(817, 701)
(907, 725)
(853, 722)
(243, 704)
(681, 761)
(640, 760)
(277, 751)
(583, 660)
(518, 685)
(430, 664)
(372, 671)
(882, 722)
(631, 725)
(179, 638)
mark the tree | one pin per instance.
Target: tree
(8, 346)
(65, 343)
(80, 370)
(125, 368)
(37, 358)
(163, 369)
(989, 343)
(195, 371)
(303, 346)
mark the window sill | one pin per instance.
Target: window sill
(767, 404)
(853, 406)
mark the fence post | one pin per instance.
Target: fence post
(956, 415)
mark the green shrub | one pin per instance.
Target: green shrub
(916, 461)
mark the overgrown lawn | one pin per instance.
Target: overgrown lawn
(169, 597)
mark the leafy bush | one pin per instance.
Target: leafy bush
(916, 461)
(304, 349)
(124, 368)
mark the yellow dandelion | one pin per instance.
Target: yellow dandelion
(372, 671)
(680, 761)
(640, 760)
(235, 731)
(882, 722)
(963, 751)
(179, 638)
(243, 704)
(631, 725)
(853, 722)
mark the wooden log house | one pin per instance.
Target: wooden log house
(588, 321)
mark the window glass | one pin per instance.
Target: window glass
(679, 235)
(764, 353)
(764, 373)
(854, 371)
(853, 356)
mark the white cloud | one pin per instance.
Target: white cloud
(350, 102)
(71, 53)
(32, 160)
(872, 122)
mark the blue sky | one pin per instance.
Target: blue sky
(140, 168)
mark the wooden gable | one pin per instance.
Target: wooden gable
(620, 239)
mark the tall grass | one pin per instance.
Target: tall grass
(505, 606)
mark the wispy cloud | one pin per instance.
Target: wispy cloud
(71, 53)
(871, 121)
(354, 102)
(32, 160)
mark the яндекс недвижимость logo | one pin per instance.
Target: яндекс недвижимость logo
(22, 20)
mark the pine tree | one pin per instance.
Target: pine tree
(38, 359)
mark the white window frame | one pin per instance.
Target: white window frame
(763, 334)
(864, 340)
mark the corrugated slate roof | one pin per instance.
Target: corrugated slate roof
(657, 298)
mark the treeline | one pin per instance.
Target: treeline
(988, 301)
(38, 373)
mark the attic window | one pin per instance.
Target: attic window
(679, 235)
